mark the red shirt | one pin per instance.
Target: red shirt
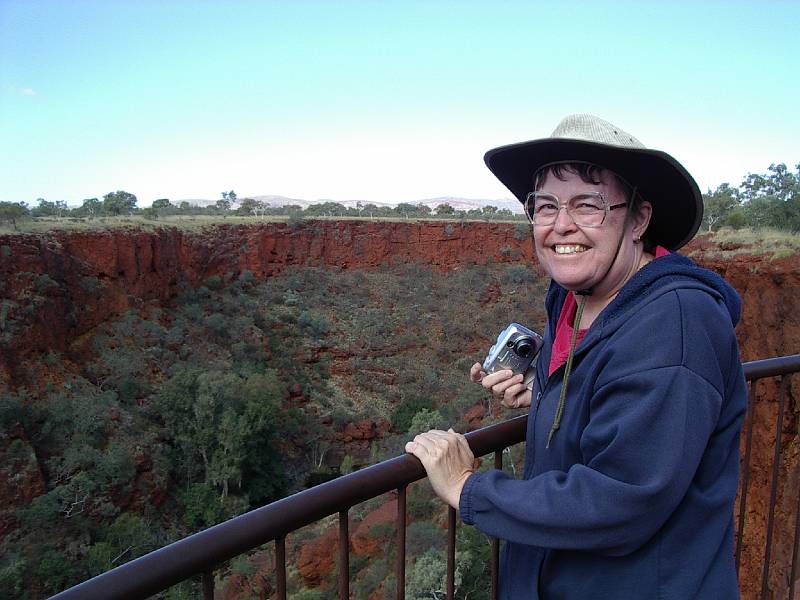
(564, 327)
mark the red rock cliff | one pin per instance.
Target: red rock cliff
(58, 286)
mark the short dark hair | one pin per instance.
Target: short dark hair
(590, 173)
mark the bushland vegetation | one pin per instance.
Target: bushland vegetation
(765, 200)
(769, 200)
(172, 418)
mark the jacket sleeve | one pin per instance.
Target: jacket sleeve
(641, 447)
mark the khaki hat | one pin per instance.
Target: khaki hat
(659, 178)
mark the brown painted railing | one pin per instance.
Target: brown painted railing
(200, 553)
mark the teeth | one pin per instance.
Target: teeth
(569, 249)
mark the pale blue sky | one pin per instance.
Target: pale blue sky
(378, 101)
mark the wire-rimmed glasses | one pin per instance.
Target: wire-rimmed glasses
(588, 209)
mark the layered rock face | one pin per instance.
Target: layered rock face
(81, 279)
(56, 287)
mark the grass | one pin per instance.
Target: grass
(777, 243)
(188, 222)
(191, 222)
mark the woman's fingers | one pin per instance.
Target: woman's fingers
(446, 462)
(476, 373)
(499, 385)
(516, 396)
(489, 381)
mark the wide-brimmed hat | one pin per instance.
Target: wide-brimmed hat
(659, 178)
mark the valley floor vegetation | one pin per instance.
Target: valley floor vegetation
(169, 419)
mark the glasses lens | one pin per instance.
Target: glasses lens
(541, 208)
(587, 210)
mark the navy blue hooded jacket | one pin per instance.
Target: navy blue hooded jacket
(634, 497)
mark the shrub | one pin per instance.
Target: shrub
(218, 324)
(518, 273)
(422, 536)
(43, 283)
(214, 282)
(11, 570)
(129, 389)
(522, 232)
(405, 411)
(309, 594)
(202, 507)
(54, 570)
(91, 285)
(314, 322)
(371, 577)
(426, 579)
(425, 420)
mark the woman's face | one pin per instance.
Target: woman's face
(579, 258)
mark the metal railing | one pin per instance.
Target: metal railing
(200, 553)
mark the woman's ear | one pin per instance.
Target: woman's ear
(641, 219)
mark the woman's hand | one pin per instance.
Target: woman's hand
(447, 459)
(506, 387)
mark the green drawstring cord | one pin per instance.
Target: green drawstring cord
(567, 370)
(578, 315)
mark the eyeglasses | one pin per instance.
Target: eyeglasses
(586, 210)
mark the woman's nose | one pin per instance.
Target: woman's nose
(563, 220)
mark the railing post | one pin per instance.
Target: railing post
(208, 585)
(498, 464)
(280, 567)
(796, 544)
(451, 553)
(401, 543)
(776, 463)
(344, 556)
(751, 402)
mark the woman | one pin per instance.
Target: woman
(631, 460)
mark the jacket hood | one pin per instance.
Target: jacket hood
(662, 275)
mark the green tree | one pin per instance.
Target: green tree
(223, 206)
(445, 210)
(326, 209)
(404, 413)
(119, 202)
(718, 205)
(161, 206)
(251, 206)
(489, 212)
(427, 578)
(772, 199)
(91, 207)
(224, 425)
(11, 212)
(406, 210)
(45, 208)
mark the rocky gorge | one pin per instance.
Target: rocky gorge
(57, 288)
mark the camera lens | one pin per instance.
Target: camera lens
(523, 348)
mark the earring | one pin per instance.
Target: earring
(637, 240)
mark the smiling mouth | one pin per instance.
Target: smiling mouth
(569, 248)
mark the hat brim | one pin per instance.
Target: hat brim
(659, 179)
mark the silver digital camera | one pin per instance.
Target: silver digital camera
(516, 348)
